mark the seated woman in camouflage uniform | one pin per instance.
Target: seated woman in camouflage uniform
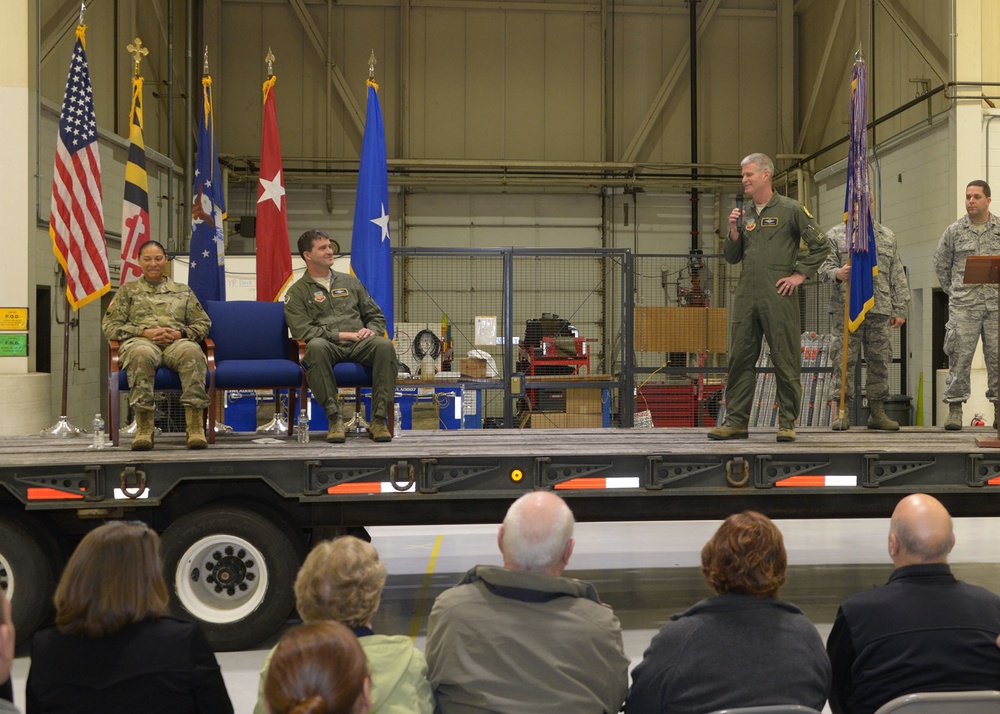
(159, 322)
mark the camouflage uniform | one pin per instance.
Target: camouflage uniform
(768, 248)
(140, 305)
(316, 312)
(892, 299)
(972, 309)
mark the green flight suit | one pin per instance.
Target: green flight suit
(316, 313)
(769, 249)
(140, 305)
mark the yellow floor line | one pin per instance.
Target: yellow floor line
(425, 587)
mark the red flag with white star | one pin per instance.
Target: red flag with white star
(274, 253)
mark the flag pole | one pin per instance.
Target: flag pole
(63, 428)
(278, 423)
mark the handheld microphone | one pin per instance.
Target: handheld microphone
(739, 205)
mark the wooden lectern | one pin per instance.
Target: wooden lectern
(985, 269)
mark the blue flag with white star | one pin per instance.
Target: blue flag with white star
(371, 261)
(207, 274)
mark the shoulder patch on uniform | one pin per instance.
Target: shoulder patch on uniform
(807, 211)
(318, 296)
(769, 221)
(339, 292)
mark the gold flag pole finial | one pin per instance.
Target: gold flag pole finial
(371, 66)
(205, 67)
(269, 58)
(136, 49)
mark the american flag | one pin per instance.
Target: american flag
(76, 221)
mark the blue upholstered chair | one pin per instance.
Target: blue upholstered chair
(249, 348)
(164, 379)
(354, 375)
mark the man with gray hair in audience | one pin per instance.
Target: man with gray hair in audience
(924, 630)
(522, 637)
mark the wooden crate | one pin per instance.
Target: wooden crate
(680, 329)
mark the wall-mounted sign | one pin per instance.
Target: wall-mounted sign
(13, 318)
(13, 345)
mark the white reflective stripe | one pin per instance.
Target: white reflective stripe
(388, 488)
(119, 493)
(848, 480)
(622, 482)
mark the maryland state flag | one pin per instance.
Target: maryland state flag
(76, 218)
(274, 254)
(207, 276)
(371, 261)
(860, 233)
(135, 206)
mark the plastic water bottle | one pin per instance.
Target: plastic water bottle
(97, 437)
(397, 420)
(302, 427)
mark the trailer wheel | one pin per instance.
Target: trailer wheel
(232, 569)
(27, 573)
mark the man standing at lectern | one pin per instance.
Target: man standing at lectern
(972, 309)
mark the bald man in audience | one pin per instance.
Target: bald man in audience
(923, 631)
(523, 637)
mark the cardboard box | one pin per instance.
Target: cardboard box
(560, 420)
(680, 329)
(585, 401)
(473, 367)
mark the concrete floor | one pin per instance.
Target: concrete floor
(645, 571)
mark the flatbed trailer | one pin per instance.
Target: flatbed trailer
(237, 518)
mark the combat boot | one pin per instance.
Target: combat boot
(143, 440)
(838, 423)
(878, 419)
(954, 420)
(725, 433)
(194, 420)
(336, 434)
(786, 433)
(378, 430)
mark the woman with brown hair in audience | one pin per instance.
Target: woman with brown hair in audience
(742, 648)
(318, 668)
(114, 647)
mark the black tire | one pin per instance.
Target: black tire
(231, 569)
(28, 568)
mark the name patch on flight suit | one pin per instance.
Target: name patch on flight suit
(338, 292)
(770, 221)
(319, 296)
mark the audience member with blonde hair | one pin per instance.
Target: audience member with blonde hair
(7, 637)
(742, 648)
(342, 580)
(318, 668)
(114, 647)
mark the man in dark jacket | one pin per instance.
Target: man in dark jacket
(923, 631)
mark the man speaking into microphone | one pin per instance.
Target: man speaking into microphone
(765, 238)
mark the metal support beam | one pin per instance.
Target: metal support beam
(821, 76)
(339, 82)
(667, 87)
(920, 40)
